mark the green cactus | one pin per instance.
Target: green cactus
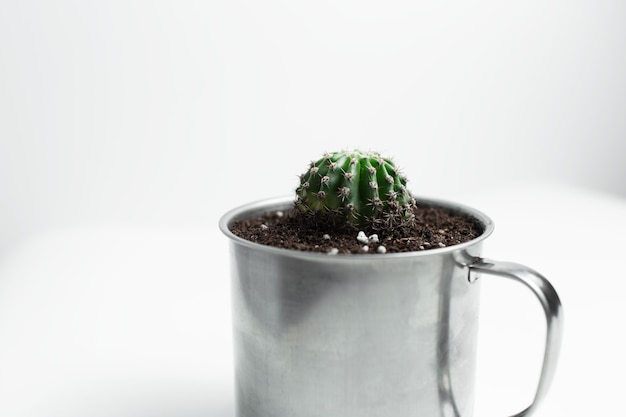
(357, 187)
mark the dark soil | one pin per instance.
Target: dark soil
(433, 228)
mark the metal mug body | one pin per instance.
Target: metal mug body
(353, 335)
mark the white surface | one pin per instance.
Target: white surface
(120, 321)
(580, 250)
(115, 322)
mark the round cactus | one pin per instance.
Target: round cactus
(358, 187)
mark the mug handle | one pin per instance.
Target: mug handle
(551, 304)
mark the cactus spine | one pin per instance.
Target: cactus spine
(358, 187)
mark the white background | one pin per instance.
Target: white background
(127, 128)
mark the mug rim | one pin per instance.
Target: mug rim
(259, 207)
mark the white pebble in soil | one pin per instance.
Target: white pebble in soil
(366, 248)
(361, 237)
(279, 214)
(264, 227)
(381, 249)
(373, 238)
(326, 237)
(333, 251)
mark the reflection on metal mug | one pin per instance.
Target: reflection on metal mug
(391, 335)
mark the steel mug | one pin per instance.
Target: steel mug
(385, 335)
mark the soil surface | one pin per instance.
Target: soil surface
(434, 227)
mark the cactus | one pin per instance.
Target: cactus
(360, 188)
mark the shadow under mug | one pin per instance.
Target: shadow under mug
(385, 335)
